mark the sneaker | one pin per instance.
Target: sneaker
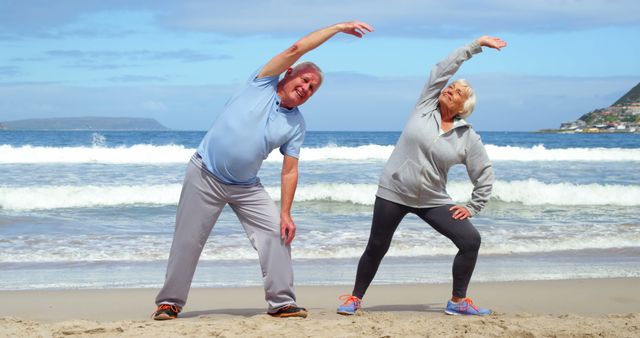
(350, 306)
(290, 311)
(465, 307)
(166, 312)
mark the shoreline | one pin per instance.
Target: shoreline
(607, 307)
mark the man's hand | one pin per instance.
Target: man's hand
(491, 42)
(355, 28)
(287, 229)
(459, 212)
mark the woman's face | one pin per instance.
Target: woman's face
(453, 98)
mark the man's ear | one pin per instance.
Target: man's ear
(288, 72)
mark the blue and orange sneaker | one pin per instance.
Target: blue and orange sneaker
(465, 307)
(350, 306)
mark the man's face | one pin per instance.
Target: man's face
(297, 86)
(453, 97)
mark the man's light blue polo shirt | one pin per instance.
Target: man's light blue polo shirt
(250, 126)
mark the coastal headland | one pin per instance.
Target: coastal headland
(623, 116)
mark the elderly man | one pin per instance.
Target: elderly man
(260, 117)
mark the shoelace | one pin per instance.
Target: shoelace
(165, 307)
(349, 299)
(470, 303)
(285, 308)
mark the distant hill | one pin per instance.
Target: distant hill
(84, 123)
(631, 97)
(625, 110)
(622, 116)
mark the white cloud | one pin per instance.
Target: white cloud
(422, 18)
(39, 16)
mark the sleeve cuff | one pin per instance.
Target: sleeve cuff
(475, 47)
(291, 154)
(472, 210)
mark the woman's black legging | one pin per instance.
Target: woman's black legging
(386, 217)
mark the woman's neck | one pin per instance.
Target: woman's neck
(445, 116)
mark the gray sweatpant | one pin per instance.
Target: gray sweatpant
(201, 202)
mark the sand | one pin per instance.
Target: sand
(567, 308)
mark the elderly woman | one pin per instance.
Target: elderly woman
(414, 180)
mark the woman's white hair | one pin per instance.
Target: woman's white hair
(470, 103)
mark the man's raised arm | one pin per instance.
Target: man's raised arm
(289, 56)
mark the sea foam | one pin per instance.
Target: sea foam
(338, 244)
(527, 192)
(160, 154)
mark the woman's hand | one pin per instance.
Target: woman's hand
(491, 42)
(460, 212)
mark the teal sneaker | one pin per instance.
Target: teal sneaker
(465, 307)
(350, 306)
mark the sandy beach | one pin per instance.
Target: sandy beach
(564, 308)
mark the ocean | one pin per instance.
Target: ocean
(82, 209)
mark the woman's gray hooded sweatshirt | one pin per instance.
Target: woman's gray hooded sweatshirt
(416, 173)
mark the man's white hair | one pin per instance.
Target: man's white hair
(308, 64)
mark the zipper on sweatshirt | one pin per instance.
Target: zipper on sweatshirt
(436, 139)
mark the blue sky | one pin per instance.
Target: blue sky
(179, 61)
